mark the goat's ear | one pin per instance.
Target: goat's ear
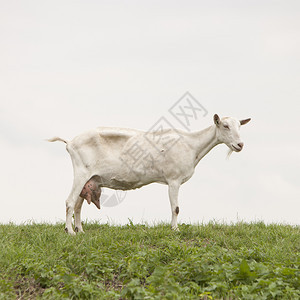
(217, 120)
(243, 122)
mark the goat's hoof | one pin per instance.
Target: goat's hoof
(175, 228)
(79, 230)
(71, 232)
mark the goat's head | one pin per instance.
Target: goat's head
(228, 132)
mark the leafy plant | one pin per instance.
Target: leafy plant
(213, 261)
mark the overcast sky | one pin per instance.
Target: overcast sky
(68, 66)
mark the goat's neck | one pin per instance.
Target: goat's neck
(203, 141)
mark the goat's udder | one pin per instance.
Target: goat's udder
(91, 192)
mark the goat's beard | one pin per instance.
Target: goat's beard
(229, 153)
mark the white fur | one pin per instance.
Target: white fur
(111, 155)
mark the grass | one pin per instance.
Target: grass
(214, 261)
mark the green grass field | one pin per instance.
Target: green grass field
(214, 261)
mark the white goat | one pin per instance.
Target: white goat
(125, 159)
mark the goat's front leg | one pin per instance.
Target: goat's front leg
(77, 215)
(173, 196)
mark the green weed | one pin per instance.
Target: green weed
(213, 261)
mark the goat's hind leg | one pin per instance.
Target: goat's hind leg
(77, 215)
(71, 203)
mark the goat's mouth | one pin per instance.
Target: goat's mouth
(236, 149)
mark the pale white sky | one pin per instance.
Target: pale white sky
(68, 66)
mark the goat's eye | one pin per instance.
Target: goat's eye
(226, 126)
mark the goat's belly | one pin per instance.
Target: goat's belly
(128, 182)
(119, 177)
(121, 184)
(124, 185)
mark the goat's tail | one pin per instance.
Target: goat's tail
(56, 138)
